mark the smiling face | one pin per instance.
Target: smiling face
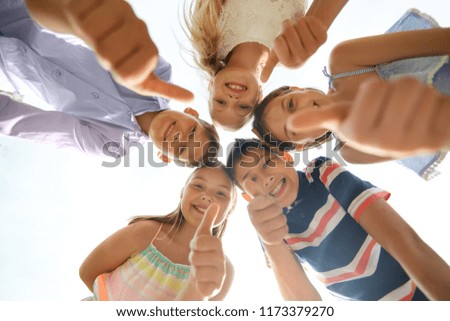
(279, 109)
(260, 172)
(206, 186)
(179, 135)
(234, 93)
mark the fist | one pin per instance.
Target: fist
(268, 219)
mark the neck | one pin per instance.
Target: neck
(251, 56)
(145, 120)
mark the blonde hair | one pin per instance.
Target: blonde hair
(176, 218)
(202, 28)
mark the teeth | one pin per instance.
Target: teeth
(277, 188)
(236, 87)
(200, 209)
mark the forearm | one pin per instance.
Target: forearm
(50, 14)
(355, 156)
(427, 269)
(292, 281)
(370, 51)
(326, 10)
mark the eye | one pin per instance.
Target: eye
(253, 178)
(193, 130)
(182, 150)
(220, 101)
(198, 186)
(221, 194)
(244, 107)
(266, 163)
(291, 106)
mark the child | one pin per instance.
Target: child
(90, 112)
(392, 55)
(232, 40)
(337, 225)
(173, 257)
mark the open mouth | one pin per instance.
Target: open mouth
(169, 130)
(279, 189)
(199, 209)
(236, 87)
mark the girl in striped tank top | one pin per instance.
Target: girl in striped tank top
(178, 256)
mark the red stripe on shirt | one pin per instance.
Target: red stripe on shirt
(368, 201)
(320, 228)
(360, 267)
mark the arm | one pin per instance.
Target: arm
(326, 10)
(428, 270)
(50, 14)
(56, 128)
(270, 223)
(371, 51)
(106, 27)
(382, 124)
(292, 280)
(116, 249)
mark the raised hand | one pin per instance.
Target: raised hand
(394, 119)
(207, 258)
(298, 41)
(123, 45)
(268, 219)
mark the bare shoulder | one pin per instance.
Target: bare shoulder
(144, 232)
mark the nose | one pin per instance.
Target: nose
(233, 96)
(268, 181)
(206, 198)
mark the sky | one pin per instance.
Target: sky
(56, 205)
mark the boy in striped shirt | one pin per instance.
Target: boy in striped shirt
(337, 225)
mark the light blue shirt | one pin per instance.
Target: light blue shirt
(88, 108)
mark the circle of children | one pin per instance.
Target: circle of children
(322, 217)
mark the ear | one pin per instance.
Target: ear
(287, 157)
(191, 111)
(247, 197)
(163, 157)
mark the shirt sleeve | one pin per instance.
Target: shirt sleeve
(59, 129)
(352, 193)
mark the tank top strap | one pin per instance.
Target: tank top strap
(157, 233)
(331, 78)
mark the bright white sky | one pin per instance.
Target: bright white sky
(56, 206)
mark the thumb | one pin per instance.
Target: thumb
(207, 223)
(153, 86)
(271, 62)
(329, 117)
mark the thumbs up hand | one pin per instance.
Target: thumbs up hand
(207, 258)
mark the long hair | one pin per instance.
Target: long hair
(176, 217)
(202, 28)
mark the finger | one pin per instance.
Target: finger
(206, 244)
(260, 201)
(317, 29)
(329, 117)
(153, 86)
(207, 223)
(106, 17)
(271, 62)
(293, 39)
